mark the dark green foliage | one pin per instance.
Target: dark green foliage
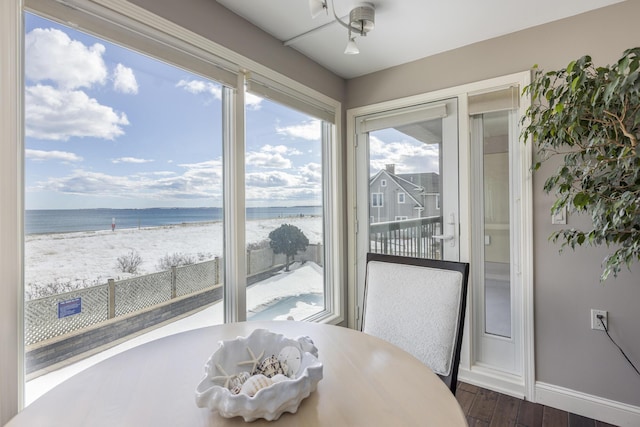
(288, 239)
(591, 116)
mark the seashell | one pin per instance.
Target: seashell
(236, 389)
(255, 384)
(244, 376)
(272, 366)
(279, 378)
(238, 380)
(290, 356)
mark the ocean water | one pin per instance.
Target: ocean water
(68, 220)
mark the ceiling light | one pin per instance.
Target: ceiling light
(361, 21)
(317, 6)
(352, 48)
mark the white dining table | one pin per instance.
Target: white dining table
(366, 382)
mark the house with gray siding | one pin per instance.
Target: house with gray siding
(403, 196)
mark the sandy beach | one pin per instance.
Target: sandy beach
(82, 259)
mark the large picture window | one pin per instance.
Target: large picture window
(284, 211)
(123, 191)
(127, 184)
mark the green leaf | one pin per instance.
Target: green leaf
(580, 200)
(577, 114)
(574, 83)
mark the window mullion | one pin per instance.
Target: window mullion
(235, 283)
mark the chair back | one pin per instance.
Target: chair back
(418, 305)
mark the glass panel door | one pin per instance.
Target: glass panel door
(495, 203)
(408, 188)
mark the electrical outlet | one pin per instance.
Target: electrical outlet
(595, 322)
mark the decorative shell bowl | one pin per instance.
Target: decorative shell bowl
(259, 376)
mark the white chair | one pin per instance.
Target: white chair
(418, 305)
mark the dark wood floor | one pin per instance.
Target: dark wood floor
(486, 408)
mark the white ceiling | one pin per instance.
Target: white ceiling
(405, 30)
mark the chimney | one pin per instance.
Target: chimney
(391, 168)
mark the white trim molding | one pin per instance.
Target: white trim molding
(598, 408)
(492, 379)
(521, 385)
(11, 336)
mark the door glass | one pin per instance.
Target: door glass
(404, 185)
(497, 250)
(407, 184)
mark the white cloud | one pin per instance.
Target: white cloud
(59, 115)
(277, 186)
(124, 80)
(130, 160)
(195, 181)
(407, 156)
(253, 102)
(199, 180)
(312, 173)
(280, 149)
(39, 155)
(276, 179)
(267, 160)
(51, 55)
(310, 130)
(271, 156)
(197, 87)
(163, 173)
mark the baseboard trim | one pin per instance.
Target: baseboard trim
(598, 408)
(493, 380)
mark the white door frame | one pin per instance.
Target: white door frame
(445, 110)
(520, 386)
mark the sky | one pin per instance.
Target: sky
(107, 127)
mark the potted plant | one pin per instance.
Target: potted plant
(591, 117)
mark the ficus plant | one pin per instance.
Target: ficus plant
(591, 117)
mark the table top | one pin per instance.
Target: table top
(366, 382)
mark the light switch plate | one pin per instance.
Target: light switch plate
(560, 217)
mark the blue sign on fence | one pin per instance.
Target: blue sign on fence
(69, 307)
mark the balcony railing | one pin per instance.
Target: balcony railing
(408, 237)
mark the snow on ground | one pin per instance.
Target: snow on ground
(84, 259)
(302, 279)
(90, 258)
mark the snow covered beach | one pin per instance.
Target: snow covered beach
(82, 259)
(90, 256)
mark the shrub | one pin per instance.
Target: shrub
(130, 262)
(176, 259)
(263, 244)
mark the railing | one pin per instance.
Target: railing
(97, 304)
(409, 237)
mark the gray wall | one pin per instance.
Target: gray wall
(568, 353)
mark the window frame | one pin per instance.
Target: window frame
(377, 200)
(116, 21)
(119, 15)
(402, 196)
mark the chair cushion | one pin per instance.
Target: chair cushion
(416, 309)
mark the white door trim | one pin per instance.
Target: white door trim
(482, 376)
